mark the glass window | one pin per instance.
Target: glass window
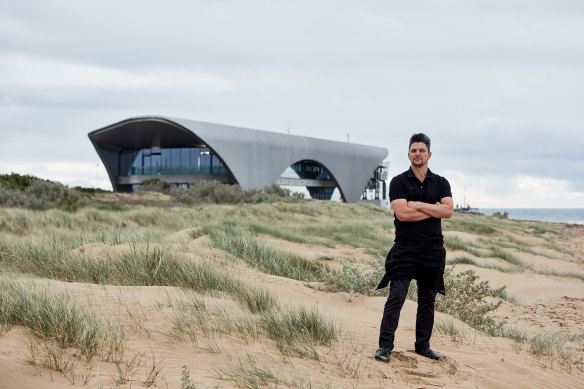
(185, 157)
(136, 167)
(165, 160)
(184, 160)
(128, 162)
(217, 166)
(194, 151)
(215, 161)
(205, 161)
(146, 164)
(174, 160)
(205, 157)
(124, 165)
(137, 160)
(155, 161)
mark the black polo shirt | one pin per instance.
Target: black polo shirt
(418, 248)
(425, 233)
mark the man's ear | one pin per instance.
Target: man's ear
(429, 154)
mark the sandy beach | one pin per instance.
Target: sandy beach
(545, 299)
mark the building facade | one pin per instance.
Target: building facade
(183, 152)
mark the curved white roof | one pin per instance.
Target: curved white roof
(255, 158)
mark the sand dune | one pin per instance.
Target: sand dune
(545, 304)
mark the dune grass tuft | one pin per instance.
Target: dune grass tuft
(469, 223)
(261, 256)
(51, 316)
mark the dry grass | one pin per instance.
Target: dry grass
(217, 306)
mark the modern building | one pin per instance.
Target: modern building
(183, 152)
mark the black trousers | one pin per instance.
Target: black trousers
(398, 290)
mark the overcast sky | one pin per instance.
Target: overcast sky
(497, 85)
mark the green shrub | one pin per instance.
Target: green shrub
(465, 299)
(215, 192)
(10, 197)
(90, 191)
(468, 300)
(17, 181)
(154, 185)
(40, 195)
(351, 279)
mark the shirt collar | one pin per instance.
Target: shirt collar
(412, 175)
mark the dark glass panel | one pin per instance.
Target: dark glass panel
(146, 164)
(205, 161)
(137, 164)
(165, 156)
(215, 161)
(311, 170)
(156, 163)
(185, 159)
(320, 193)
(194, 155)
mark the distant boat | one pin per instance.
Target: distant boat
(467, 209)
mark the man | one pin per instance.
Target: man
(420, 199)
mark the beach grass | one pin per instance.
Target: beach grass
(136, 246)
(449, 328)
(50, 316)
(260, 255)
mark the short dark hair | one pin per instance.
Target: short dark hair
(420, 137)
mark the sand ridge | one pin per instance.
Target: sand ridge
(546, 303)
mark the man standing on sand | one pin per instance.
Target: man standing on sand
(420, 199)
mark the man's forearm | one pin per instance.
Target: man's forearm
(411, 215)
(438, 210)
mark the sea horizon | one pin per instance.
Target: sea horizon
(554, 215)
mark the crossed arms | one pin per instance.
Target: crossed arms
(414, 211)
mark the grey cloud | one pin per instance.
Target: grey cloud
(497, 85)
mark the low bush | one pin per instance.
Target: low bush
(470, 301)
(217, 193)
(353, 280)
(154, 185)
(17, 181)
(35, 193)
(465, 299)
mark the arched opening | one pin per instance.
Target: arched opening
(312, 179)
(141, 149)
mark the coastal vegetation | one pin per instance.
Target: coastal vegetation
(202, 255)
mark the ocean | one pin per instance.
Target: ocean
(556, 215)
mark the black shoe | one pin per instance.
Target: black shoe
(383, 354)
(428, 353)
